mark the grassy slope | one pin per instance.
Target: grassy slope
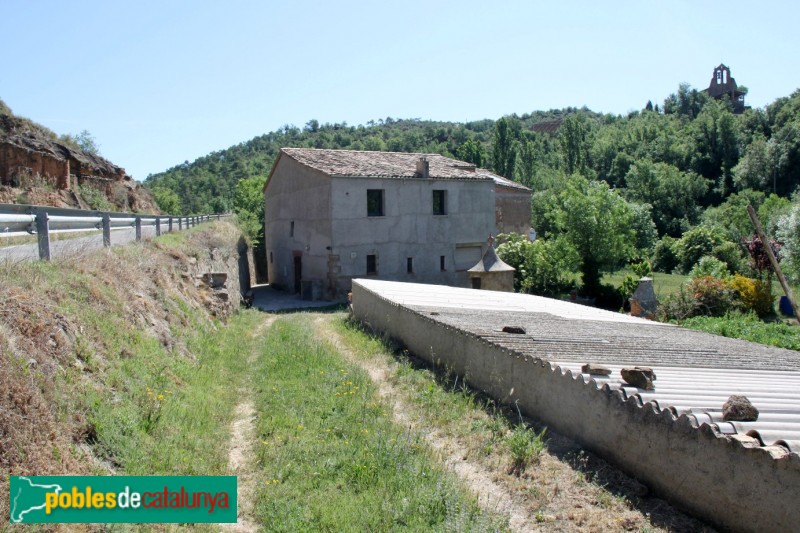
(332, 459)
(121, 365)
(112, 364)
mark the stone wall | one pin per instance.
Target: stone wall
(512, 210)
(730, 481)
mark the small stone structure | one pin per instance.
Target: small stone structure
(643, 302)
(491, 273)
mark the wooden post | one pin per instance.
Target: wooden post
(169, 228)
(138, 224)
(772, 259)
(158, 226)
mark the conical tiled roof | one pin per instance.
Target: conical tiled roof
(491, 263)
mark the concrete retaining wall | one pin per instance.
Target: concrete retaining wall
(732, 482)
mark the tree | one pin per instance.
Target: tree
(731, 217)
(87, 142)
(248, 204)
(82, 141)
(645, 229)
(716, 135)
(573, 136)
(755, 170)
(471, 152)
(168, 201)
(789, 234)
(687, 102)
(673, 194)
(504, 149)
(598, 223)
(526, 163)
(543, 267)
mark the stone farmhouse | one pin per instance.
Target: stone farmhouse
(335, 215)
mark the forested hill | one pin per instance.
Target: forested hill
(681, 157)
(209, 183)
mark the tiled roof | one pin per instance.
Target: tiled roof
(362, 164)
(550, 126)
(491, 263)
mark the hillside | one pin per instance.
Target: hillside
(40, 168)
(91, 346)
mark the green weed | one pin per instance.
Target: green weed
(526, 447)
(330, 457)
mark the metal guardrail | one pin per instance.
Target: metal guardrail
(17, 219)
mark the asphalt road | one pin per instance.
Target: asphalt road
(72, 247)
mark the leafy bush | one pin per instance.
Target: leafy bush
(714, 297)
(631, 281)
(665, 258)
(710, 266)
(729, 253)
(753, 295)
(543, 267)
(789, 233)
(696, 243)
(678, 306)
(526, 447)
(95, 198)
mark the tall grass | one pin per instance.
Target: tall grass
(331, 458)
(748, 327)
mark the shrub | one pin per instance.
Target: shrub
(714, 297)
(95, 198)
(678, 306)
(526, 447)
(710, 266)
(748, 327)
(753, 295)
(696, 243)
(665, 258)
(631, 281)
(731, 254)
(543, 267)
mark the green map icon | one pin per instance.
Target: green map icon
(27, 498)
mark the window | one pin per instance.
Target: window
(441, 263)
(476, 283)
(374, 202)
(291, 229)
(372, 264)
(439, 202)
(466, 256)
(410, 265)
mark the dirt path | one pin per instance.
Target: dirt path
(492, 495)
(242, 441)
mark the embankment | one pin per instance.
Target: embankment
(111, 359)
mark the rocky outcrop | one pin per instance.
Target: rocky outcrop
(32, 161)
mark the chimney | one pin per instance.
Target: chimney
(423, 168)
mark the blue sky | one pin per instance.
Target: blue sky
(160, 82)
